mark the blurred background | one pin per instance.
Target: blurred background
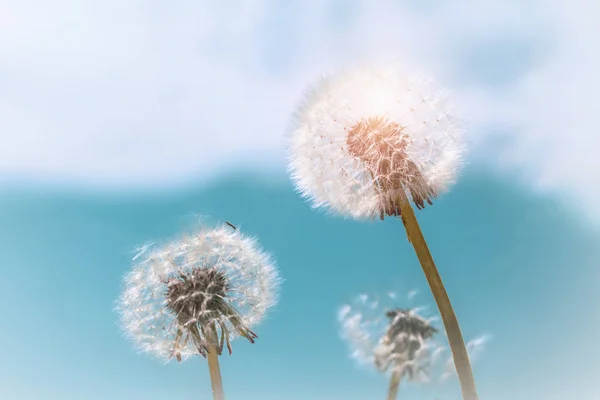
(120, 121)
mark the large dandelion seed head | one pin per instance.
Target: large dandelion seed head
(363, 138)
(385, 338)
(198, 292)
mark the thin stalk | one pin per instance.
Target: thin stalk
(394, 383)
(455, 338)
(215, 373)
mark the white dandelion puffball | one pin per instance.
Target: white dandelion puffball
(405, 347)
(197, 293)
(385, 338)
(365, 137)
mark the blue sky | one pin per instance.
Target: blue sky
(111, 137)
(515, 264)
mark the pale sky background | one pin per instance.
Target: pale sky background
(120, 119)
(140, 93)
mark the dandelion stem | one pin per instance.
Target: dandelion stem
(455, 338)
(215, 373)
(394, 383)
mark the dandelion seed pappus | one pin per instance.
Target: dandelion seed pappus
(195, 293)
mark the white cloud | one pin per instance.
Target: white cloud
(130, 92)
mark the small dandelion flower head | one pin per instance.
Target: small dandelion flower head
(197, 293)
(405, 344)
(366, 138)
(389, 339)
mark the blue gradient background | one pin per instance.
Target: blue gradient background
(520, 267)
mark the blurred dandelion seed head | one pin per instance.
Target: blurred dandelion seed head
(200, 291)
(385, 338)
(364, 136)
(405, 345)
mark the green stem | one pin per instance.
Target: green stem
(212, 356)
(215, 373)
(394, 383)
(455, 338)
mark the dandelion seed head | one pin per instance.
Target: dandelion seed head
(364, 136)
(384, 338)
(200, 291)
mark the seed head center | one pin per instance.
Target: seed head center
(382, 145)
(196, 294)
(379, 143)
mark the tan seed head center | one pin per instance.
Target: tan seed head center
(382, 145)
